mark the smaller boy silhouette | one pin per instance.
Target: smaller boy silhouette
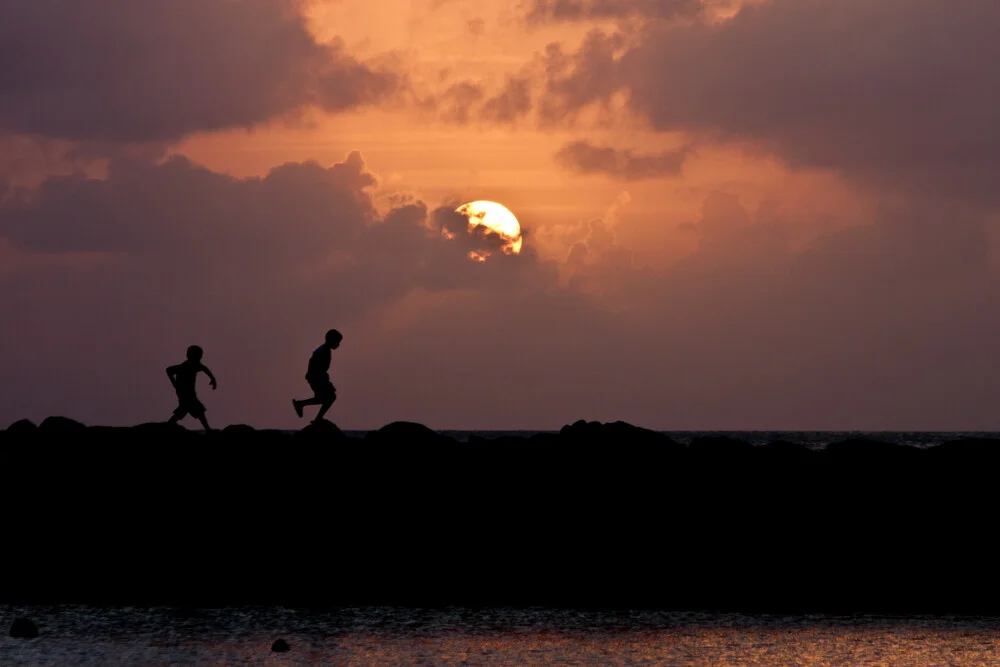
(318, 377)
(183, 377)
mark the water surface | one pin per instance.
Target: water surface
(394, 636)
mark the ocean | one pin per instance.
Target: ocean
(457, 636)
(811, 439)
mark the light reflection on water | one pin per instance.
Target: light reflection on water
(392, 636)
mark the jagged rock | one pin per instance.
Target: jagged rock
(280, 646)
(22, 628)
(581, 430)
(322, 430)
(721, 450)
(859, 451)
(617, 434)
(407, 433)
(161, 433)
(21, 427)
(984, 451)
(781, 452)
(61, 425)
(239, 431)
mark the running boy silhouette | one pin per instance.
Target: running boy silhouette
(318, 377)
(183, 377)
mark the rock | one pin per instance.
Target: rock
(61, 425)
(407, 433)
(159, 433)
(280, 646)
(721, 451)
(322, 430)
(23, 628)
(21, 427)
(863, 452)
(237, 431)
(581, 432)
(782, 453)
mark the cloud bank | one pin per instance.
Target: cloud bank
(122, 71)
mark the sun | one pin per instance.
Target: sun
(497, 218)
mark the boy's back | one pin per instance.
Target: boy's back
(319, 363)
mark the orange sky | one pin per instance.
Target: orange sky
(825, 209)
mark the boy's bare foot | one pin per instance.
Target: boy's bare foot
(298, 408)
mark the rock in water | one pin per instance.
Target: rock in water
(22, 628)
(280, 646)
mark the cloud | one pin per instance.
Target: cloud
(156, 71)
(573, 81)
(551, 11)
(895, 93)
(140, 264)
(511, 103)
(456, 103)
(621, 164)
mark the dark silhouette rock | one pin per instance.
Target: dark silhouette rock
(861, 452)
(619, 431)
(61, 426)
(721, 450)
(322, 430)
(407, 433)
(280, 646)
(781, 453)
(582, 430)
(159, 433)
(813, 531)
(21, 427)
(22, 628)
(985, 451)
(239, 431)
(159, 428)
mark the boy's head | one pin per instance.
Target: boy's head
(194, 353)
(333, 339)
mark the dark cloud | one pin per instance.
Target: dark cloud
(548, 11)
(622, 164)
(573, 81)
(457, 103)
(104, 282)
(513, 102)
(117, 70)
(476, 26)
(896, 93)
(159, 255)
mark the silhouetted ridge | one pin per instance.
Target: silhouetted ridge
(601, 514)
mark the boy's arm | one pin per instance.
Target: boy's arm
(171, 372)
(210, 376)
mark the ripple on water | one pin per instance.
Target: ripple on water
(93, 636)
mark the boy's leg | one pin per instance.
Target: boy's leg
(178, 415)
(204, 422)
(326, 397)
(326, 406)
(311, 401)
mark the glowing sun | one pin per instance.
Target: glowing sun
(498, 219)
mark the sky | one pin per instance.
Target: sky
(767, 214)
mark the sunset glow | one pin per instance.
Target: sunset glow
(696, 184)
(497, 218)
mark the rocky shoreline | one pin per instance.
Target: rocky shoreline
(597, 515)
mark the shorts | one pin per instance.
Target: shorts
(189, 405)
(322, 388)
